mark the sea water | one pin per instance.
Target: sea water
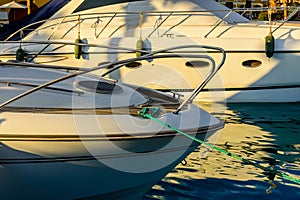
(264, 133)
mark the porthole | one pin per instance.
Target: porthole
(197, 63)
(252, 63)
(133, 64)
(98, 86)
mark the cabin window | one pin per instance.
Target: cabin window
(252, 63)
(133, 64)
(98, 87)
(89, 4)
(197, 63)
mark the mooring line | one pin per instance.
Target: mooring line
(152, 113)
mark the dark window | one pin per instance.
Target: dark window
(251, 63)
(98, 86)
(197, 63)
(88, 4)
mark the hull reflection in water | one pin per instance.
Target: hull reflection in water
(261, 132)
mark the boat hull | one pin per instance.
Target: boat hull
(63, 156)
(247, 69)
(248, 75)
(83, 177)
(74, 178)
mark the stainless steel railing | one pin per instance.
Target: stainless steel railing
(55, 23)
(163, 53)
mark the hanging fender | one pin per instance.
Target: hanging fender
(20, 54)
(78, 48)
(139, 46)
(269, 45)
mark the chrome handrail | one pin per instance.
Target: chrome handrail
(97, 36)
(198, 89)
(39, 53)
(118, 64)
(54, 30)
(183, 20)
(10, 83)
(219, 22)
(287, 19)
(42, 66)
(112, 15)
(156, 28)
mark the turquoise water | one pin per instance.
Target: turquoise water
(266, 133)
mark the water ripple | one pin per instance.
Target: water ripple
(264, 133)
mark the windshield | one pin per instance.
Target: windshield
(88, 4)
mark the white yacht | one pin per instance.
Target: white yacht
(256, 69)
(69, 134)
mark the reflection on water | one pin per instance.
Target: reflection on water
(262, 132)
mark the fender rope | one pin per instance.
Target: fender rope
(152, 113)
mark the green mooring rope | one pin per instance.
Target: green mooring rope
(271, 171)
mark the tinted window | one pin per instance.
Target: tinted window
(88, 4)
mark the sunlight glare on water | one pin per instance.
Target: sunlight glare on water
(265, 133)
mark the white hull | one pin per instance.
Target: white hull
(242, 40)
(76, 177)
(72, 140)
(275, 80)
(42, 164)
